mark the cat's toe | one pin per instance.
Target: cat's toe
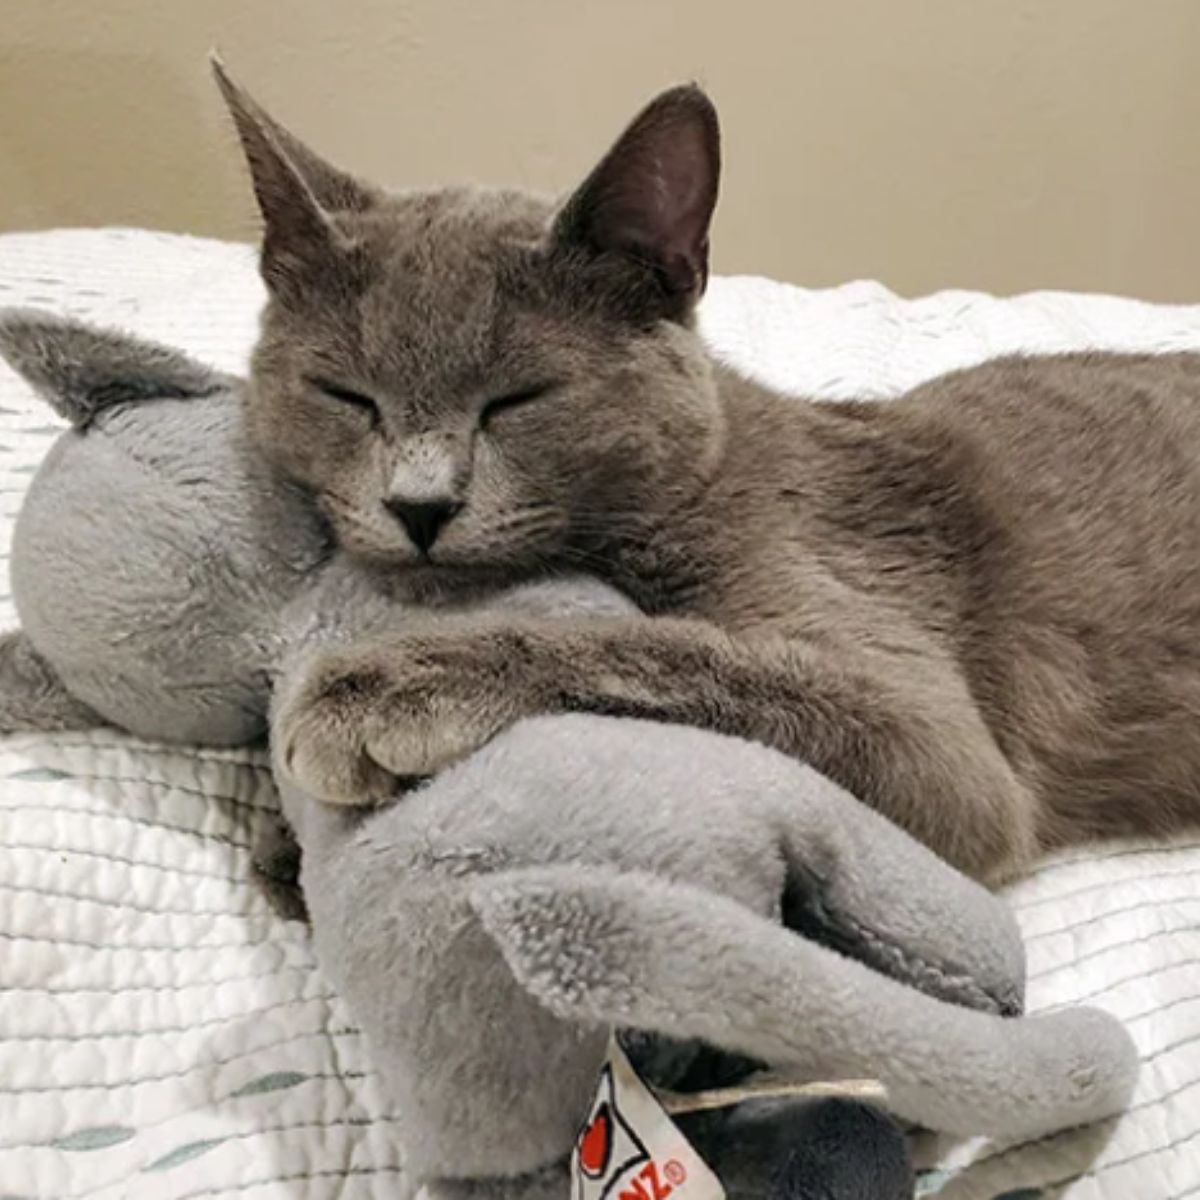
(325, 756)
(411, 745)
(339, 773)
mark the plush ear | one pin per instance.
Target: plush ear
(297, 191)
(80, 371)
(646, 208)
(631, 950)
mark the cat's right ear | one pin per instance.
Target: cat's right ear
(298, 193)
(636, 231)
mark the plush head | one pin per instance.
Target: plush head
(154, 550)
(469, 380)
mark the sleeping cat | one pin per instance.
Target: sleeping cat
(977, 607)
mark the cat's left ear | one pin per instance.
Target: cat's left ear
(644, 213)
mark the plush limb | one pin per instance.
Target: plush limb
(598, 946)
(902, 735)
(80, 371)
(857, 884)
(32, 698)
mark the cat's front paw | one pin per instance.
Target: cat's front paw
(318, 736)
(363, 723)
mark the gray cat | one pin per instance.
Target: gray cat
(978, 607)
(718, 901)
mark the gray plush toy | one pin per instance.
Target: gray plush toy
(720, 904)
(154, 551)
(584, 873)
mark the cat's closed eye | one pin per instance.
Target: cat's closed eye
(346, 396)
(511, 400)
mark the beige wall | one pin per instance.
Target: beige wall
(1002, 144)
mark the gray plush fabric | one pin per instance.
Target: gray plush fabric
(154, 551)
(580, 873)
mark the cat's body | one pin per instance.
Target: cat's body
(977, 607)
(1010, 553)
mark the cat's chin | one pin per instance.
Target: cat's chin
(427, 581)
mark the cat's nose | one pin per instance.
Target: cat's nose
(423, 520)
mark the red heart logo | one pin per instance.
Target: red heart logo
(595, 1144)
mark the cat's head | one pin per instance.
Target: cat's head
(480, 380)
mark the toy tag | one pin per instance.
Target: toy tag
(629, 1149)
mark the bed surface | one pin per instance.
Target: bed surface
(163, 1035)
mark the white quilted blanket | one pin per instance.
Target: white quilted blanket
(163, 1035)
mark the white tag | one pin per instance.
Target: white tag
(629, 1149)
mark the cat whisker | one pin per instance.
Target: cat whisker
(583, 558)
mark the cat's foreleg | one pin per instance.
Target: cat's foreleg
(902, 735)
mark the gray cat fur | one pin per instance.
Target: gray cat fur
(578, 873)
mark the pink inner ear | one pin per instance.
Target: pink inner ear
(653, 195)
(694, 190)
(665, 202)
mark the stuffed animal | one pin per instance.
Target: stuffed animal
(583, 873)
(720, 905)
